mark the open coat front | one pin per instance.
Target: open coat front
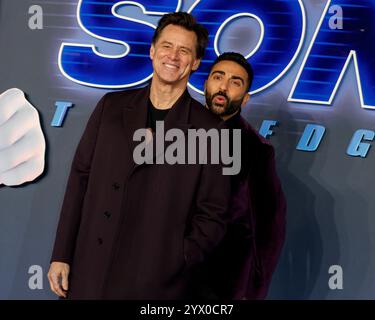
(138, 231)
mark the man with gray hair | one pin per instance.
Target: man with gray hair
(140, 231)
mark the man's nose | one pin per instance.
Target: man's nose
(173, 54)
(224, 85)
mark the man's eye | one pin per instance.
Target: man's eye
(236, 83)
(216, 77)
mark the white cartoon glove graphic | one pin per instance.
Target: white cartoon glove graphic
(22, 144)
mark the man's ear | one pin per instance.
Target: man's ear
(152, 51)
(196, 64)
(245, 99)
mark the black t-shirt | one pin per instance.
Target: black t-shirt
(154, 115)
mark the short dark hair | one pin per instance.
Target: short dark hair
(237, 58)
(188, 22)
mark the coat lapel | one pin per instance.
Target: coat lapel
(177, 118)
(135, 115)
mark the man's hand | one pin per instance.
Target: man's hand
(58, 278)
(22, 144)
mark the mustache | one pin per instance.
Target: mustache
(220, 93)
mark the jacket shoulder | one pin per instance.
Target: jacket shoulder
(113, 102)
(255, 139)
(201, 117)
(114, 96)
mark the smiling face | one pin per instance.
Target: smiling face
(174, 56)
(226, 88)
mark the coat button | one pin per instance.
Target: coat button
(100, 241)
(107, 214)
(115, 186)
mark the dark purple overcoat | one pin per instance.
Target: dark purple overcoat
(241, 267)
(138, 231)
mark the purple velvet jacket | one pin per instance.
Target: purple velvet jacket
(243, 264)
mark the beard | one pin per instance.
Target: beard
(226, 108)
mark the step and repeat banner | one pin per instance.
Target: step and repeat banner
(313, 98)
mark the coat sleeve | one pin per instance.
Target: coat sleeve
(268, 207)
(209, 221)
(70, 215)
